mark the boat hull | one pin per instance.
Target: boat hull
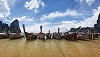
(57, 36)
(48, 35)
(15, 36)
(41, 36)
(3, 36)
(70, 36)
(30, 36)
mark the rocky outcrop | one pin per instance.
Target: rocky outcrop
(14, 27)
(3, 26)
(1, 29)
(97, 26)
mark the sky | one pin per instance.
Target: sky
(51, 14)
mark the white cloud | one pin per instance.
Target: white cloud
(34, 5)
(87, 22)
(79, 0)
(89, 2)
(46, 26)
(56, 14)
(11, 3)
(65, 25)
(69, 24)
(36, 27)
(91, 20)
(4, 9)
(23, 18)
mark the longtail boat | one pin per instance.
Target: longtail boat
(29, 36)
(70, 36)
(41, 35)
(15, 36)
(3, 36)
(57, 35)
(86, 35)
(48, 35)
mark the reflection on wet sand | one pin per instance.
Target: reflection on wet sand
(49, 48)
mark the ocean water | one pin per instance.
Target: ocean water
(49, 48)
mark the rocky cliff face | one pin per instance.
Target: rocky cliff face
(1, 29)
(14, 27)
(97, 26)
(98, 21)
(3, 26)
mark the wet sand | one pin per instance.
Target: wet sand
(49, 48)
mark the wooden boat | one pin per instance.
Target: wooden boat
(57, 35)
(70, 36)
(87, 35)
(3, 36)
(48, 35)
(15, 36)
(83, 36)
(29, 36)
(41, 35)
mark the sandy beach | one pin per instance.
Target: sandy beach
(49, 48)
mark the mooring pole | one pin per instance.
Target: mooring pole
(41, 32)
(49, 31)
(49, 34)
(24, 31)
(92, 36)
(58, 30)
(40, 28)
(24, 28)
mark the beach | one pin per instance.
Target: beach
(49, 48)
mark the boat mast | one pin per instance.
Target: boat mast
(40, 32)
